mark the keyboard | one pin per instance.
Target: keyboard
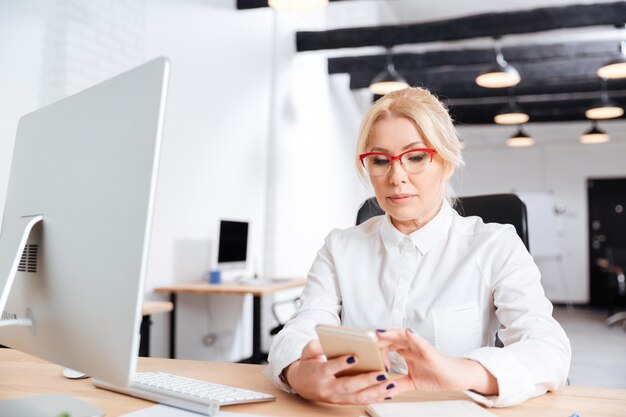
(187, 393)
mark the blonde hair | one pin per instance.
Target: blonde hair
(431, 119)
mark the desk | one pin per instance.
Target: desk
(257, 291)
(24, 375)
(149, 308)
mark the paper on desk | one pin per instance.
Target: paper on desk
(428, 409)
(161, 410)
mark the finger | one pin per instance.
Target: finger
(419, 344)
(397, 340)
(312, 350)
(340, 363)
(401, 385)
(393, 339)
(386, 360)
(376, 393)
(355, 383)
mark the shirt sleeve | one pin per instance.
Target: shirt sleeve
(320, 304)
(536, 353)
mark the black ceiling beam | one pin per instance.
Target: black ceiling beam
(255, 4)
(514, 54)
(539, 112)
(540, 108)
(547, 87)
(475, 26)
(463, 78)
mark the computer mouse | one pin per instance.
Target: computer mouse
(72, 374)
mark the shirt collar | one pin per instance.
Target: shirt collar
(425, 237)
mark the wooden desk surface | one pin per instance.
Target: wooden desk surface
(153, 307)
(24, 375)
(203, 287)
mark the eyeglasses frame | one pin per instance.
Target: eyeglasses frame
(398, 158)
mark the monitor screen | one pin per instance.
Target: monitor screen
(78, 215)
(233, 242)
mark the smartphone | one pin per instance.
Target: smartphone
(363, 344)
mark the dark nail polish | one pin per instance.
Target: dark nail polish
(350, 360)
(387, 398)
(381, 377)
(381, 330)
(410, 330)
(386, 368)
(391, 386)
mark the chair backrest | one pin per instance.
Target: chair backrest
(493, 208)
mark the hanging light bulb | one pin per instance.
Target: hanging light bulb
(604, 108)
(520, 139)
(511, 114)
(297, 5)
(615, 68)
(388, 80)
(594, 135)
(501, 74)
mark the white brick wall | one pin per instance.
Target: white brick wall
(88, 41)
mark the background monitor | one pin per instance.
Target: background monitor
(232, 250)
(87, 164)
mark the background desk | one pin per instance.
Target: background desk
(257, 291)
(147, 310)
(24, 375)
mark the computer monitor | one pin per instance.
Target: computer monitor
(232, 253)
(80, 200)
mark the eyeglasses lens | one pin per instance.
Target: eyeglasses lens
(413, 162)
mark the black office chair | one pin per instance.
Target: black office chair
(493, 208)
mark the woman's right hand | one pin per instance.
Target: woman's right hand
(314, 378)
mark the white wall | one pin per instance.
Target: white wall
(19, 73)
(558, 163)
(213, 160)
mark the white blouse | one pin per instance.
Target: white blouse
(456, 282)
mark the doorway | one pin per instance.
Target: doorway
(606, 199)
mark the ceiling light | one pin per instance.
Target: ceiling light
(511, 114)
(388, 80)
(520, 139)
(297, 5)
(616, 68)
(604, 108)
(501, 74)
(594, 135)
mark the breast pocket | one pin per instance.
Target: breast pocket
(458, 329)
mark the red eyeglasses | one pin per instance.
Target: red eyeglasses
(413, 161)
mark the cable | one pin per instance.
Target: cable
(16, 322)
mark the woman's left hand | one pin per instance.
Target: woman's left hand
(431, 370)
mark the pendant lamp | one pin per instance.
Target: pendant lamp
(501, 75)
(511, 114)
(604, 108)
(520, 139)
(594, 135)
(389, 79)
(615, 68)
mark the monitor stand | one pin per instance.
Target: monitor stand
(14, 236)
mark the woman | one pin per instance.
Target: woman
(442, 284)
